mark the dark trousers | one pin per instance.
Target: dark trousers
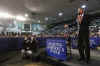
(83, 45)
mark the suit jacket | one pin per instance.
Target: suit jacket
(84, 24)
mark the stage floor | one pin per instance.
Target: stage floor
(17, 61)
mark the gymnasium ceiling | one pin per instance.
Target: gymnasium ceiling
(47, 8)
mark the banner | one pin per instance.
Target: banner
(94, 42)
(74, 42)
(56, 48)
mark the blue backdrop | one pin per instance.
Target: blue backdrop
(56, 47)
(94, 42)
(10, 44)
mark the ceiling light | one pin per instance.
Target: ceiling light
(26, 15)
(39, 21)
(83, 6)
(20, 18)
(5, 15)
(46, 18)
(60, 14)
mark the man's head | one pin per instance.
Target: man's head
(80, 10)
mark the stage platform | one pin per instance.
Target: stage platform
(14, 59)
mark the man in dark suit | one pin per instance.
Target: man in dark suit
(83, 42)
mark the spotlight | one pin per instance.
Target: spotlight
(83, 6)
(60, 14)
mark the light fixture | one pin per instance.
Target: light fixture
(46, 18)
(26, 15)
(39, 21)
(21, 18)
(5, 15)
(83, 6)
(60, 14)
